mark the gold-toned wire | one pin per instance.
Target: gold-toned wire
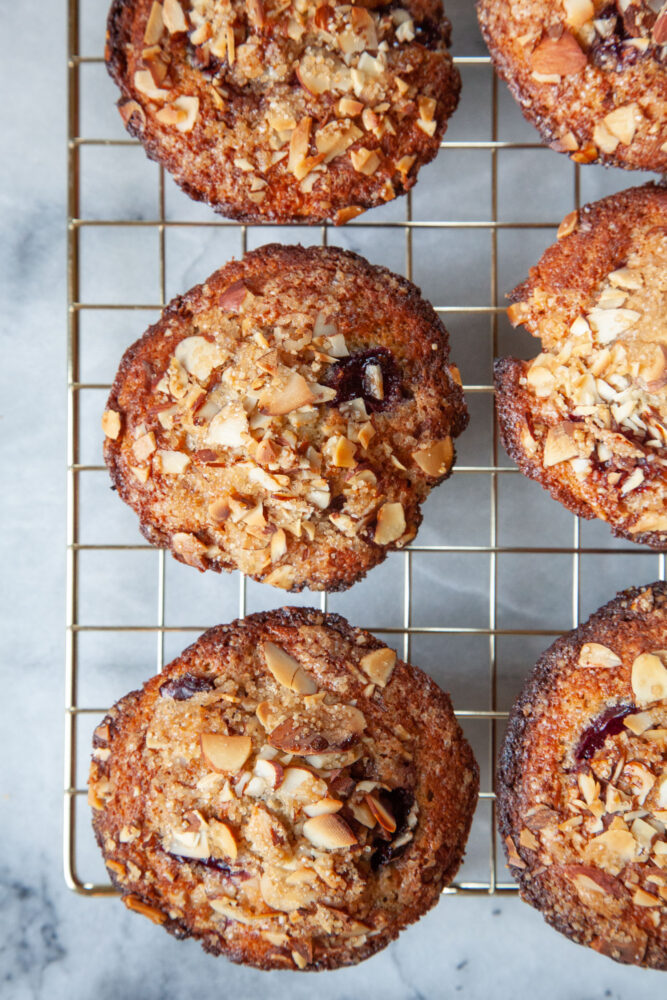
(412, 228)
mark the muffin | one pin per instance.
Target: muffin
(587, 418)
(590, 74)
(286, 418)
(286, 791)
(582, 783)
(279, 111)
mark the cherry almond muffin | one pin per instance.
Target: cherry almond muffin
(285, 111)
(587, 418)
(590, 74)
(287, 791)
(286, 418)
(582, 783)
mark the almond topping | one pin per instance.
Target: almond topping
(436, 458)
(578, 12)
(138, 906)
(568, 225)
(379, 665)
(174, 18)
(559, 445)
(154, 25)
(649, 679)
(329, 832)
(111, 424)
(295, 394)
(593, 654)
(287, 671)
(225, 753)
(222, 837)
(558, 56)
(382, 815)
(390, 524)
(323, 807)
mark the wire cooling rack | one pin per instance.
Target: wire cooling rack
(497, 570)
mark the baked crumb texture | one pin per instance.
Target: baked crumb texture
(587, 418)
(591, 75)
(287, 791)
(582, 784)
(286, 418)
(285, 111)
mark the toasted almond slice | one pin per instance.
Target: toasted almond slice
(568, 225)
(270, 771)
(559, 445)
(172, 463)
(233, 911)
(382, 815)
(295, 394)
(638, 723)
(558, 56)
(173, 16)
(323, 807)
(594, 654)
(436, 458)
(578, 12)
(111, 424)
(144, 446)
(622, 123)
(287, 671)
(154, 25)
(144, 83)
(649, 679)
(390, 523)
(225, 753)
(188, 844)
(263, 713)
(138, 906)
(379, 665)
(329, 832)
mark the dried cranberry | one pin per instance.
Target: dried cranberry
(608, 723)
(184, 687)
(351, 377)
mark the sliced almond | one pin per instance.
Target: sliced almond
(144, 446)
(174, 18)
(379, 665)
(138, 906)
(568, 225)
(295, 394)
(611, 850)
(323, 808)
(578, 12)
(287, 671)
(188, 844)
(436, 458)
(390, 524)
(649, 679)
(558, 56)
(145, 84)
(270, 771)
(329, 832)
(172, 463)
(154, 25)
(381, 814)
(560, 445)
(594, 654)
(111, 424)
(622, 123)
(225, 753)
(638, 723)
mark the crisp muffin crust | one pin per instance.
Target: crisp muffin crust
(276, 111)
(286, 418)
(286, 791)
(591, 75)
(582, 783)
(587, 418)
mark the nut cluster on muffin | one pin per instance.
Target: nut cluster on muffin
(587, 418)
(582, 783)
(590, 74)
(274, 420)
(287, 791)
(282, 111)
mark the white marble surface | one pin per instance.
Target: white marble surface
(53, 943)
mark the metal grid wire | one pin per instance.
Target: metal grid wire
(400, 634)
